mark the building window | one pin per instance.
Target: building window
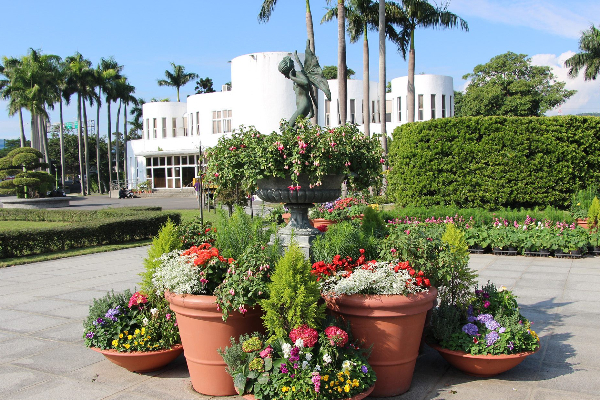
(217, 122)
(338, 113)
(420, 107)
(164, 128)
(352, 111)
(375, 112)
(227, 114)
(388, 111)
(174, 126)
(147, 128)
(443, 106)
(433, 106)
(185, 129)
(399, 104)
(222, 121)
(154, 128)
(198, 123)
(327, 112)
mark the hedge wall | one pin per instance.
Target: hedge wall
(70, 215)
(101, 231)
(494, 162)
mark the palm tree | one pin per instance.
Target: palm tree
(137, 112)
(382, 79)
(80, 80)
(589, 58)
(419, 13)
(12, 89)
(127, 98)
(265, 14)
(342, 73)
(177, 78)
(110, 91)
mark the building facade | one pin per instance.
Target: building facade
(260, 96)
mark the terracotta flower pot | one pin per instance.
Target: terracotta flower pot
(142, 361)
(483, 366)
(582, 222)
(359, 396)
(286, 217)
(202, 332)
(321, 221)
(394, 326)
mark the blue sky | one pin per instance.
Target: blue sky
(204, 35)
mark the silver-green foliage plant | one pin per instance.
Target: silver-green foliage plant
(294, 293)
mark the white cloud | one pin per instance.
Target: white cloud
(587, 98)
(565, 19)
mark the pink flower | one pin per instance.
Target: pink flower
(168, 316)
(216, 174)
(266, 352)
(486, 304)
(337, 337)
(232, 292)
(308, 335)
(393, 251)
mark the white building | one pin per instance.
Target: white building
(167, 154)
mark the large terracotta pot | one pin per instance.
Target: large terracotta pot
(142, 361)
(582, 222)
(322, 221)
(393, 325)
(483, 366)
(202, 332)
(359, 396)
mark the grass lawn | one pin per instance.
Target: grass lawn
(29, 224)
(188, 215)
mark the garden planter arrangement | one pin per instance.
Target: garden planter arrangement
(359, 396)
(482, 366)
(142, 361)
(203, 331)
(393, 324)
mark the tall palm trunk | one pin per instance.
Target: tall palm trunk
(44, 140)
(382, 77)
(82, 179)
(34, 134)
(62, 148)
(342, 75)
(310, 33)
(366, 115)
(117, 140)
(87, 153)
(410, 89)
(109, 124)
(125, 143)
(98, 141)
(22, 128)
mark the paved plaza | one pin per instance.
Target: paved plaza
(42, 355)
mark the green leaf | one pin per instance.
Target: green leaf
(239, 381)
(263, 378)
(268, 363)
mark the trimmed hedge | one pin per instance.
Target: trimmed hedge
(70, 215)
(493, 162)
(100, 231)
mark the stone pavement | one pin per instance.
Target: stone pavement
(42, 355)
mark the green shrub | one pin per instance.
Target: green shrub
(346, 239)
(493, 162)
(455, 277)
(293, 296)
(594, 213)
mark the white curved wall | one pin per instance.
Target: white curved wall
(159, 110)
(426, 85)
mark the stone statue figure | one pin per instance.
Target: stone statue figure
(309, 74)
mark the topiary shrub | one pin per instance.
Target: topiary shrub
(20, 164)
(294, 296)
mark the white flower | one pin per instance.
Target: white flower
(304, 364)
(309, 356)
(145, 321)
(326, 358)
(346, 365)
(287, 349)
(299, 343)
(154, 311)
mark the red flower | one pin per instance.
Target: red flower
(137, 299)
(337, 337)
(308, 335)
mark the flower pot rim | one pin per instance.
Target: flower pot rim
(481, 356)
(115, 351)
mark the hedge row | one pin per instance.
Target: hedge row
(15, 243)
(70, 215)
(493, 162)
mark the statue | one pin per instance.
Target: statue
(309, 74)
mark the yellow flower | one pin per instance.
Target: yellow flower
(339, 388)
(121, 336)
(331, 384)
(347, 388)
(125, 332)
(129, 337)
(126, 345)
(135, 343)
(325, 378)
(115, 343)
(137, 332)
(293, 388)
(285, 389)
(143, 331)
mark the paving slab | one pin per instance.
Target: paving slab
(42, 355)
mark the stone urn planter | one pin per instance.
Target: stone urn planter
(142, 361)
(483, 366)
(393, 325)
(202, 332)
(298, 201)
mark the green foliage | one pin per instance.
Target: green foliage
(99, 231)
(455, 277)
(509, 85)
(372, 223)
(594, 214)
(21, 163)
(493, 162)
(294, 296)
(346, 239)
(239, 232)
(582, 200)
(167, 240)
(330, 72)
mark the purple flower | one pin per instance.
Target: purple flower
(112, 313)
(295, 354)
(510, 345)
(491, 338)
(502, 329)
(484, 318)
(283, 369)
(364, 369)
(98, 321)
(492, 325)
(89, 335)
(470, 329)
(296, 366)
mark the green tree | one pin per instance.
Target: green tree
(12, 89)
(330, 72)
(22, 164)
(589, 58)
(509, 85)
(419, 13)
(137, 123)
(204, 85)
(177, 78)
